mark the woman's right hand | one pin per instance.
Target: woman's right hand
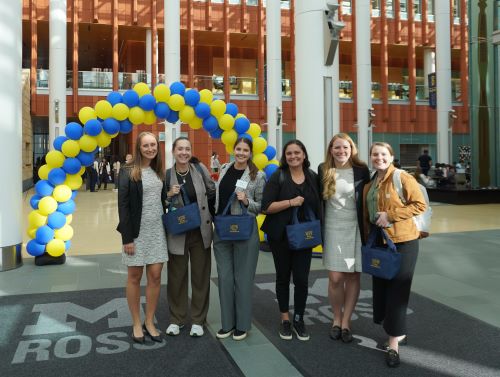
(129, 248)
(297, 201)
(174, 190)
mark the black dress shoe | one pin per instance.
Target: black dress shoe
(346, 335)
(138, 339)
(335, 332)
(154, 338)
(392, 358)
(402, 342)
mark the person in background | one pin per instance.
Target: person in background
(141, 203)
(396, 163)
(94, 176)
(128, 158)
(383, 208)
(237, 260)
(342, 177)
(214, 162)
(292, 185)
(104, 173)
(424, 161)
(116, 172)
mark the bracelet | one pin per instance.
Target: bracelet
(290, 202)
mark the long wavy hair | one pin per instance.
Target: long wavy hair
(329, 181)
(253, 168)
(156, 163)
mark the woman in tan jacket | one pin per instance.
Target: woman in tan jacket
(384, 208)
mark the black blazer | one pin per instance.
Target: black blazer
(361, 177)
(275, 224)
(130, 205)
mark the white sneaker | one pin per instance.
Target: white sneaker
(174, 329)
(196, 330)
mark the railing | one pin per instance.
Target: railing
(238, 85)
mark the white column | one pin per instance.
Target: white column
(172, 38)
(57, 69)
(363, 75)
(443, 79)
(149, 51)
(311, 73)
(274, 77)
(11, 135)
(429, 67)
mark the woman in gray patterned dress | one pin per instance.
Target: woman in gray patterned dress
(342, 178)
(141, 203)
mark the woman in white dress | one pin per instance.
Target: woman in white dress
(342, 177)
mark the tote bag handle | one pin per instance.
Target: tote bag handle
(228, 205)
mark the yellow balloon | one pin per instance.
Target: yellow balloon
(206, 96)
(65, 233)
(55, 159)
(274, 162)
(218, 108)
(142, 88)
(43, 171)
(69, 218)
(226, 122)
(149, 117)
(318, 249)
(259, 145)
(136, 115)
(31, 232)
(229, 149)
(36, 219)
(47, 205)
(120, 111)
(82, 170)
(161, 92)
(254, 130)
(261, 236)
(103, 109)
(186, 115)
(73, 181)
(260, 220)
(70, 148)
(176, 102)
(62, 193)
(103, 139)
(260, 160)
(87, 143)
(86, 113)
(239, 115)
(55, 248)
(229, 137)
(196, 123)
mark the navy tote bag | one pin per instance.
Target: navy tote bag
(305, 235)
(234, 227)
(182, 219)
(380, 261)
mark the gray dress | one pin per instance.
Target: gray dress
(151, 244)
(342, 245)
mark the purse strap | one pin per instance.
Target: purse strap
(375, 231)
(230, 201)
(185, 198)
(309, 214)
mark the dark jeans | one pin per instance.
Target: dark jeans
(291, 262)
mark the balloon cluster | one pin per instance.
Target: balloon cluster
(60, 178)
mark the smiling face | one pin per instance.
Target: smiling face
(294, 156)
(182, 151)
(381, 158)
(242, 153)
(148, 147)
(341, 152)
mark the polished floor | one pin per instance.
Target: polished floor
(458, 266)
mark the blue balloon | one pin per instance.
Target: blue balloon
(34, 248)
(217, 133)
(231, 109)
(57, 176)
(93, 127)
(44, 188)
(270, 169)
(67, 207)
(147, 102)
(86, 158)
(114, 98)
(162, 110)
(245, 136)
(73, 131)
(67, 245)
(72, 165)
(192, 97)
(58, 142)
(173, 116)
(44, 234)
(34, 201)
(202, 110)
(125, 126)
(270, 152)
(210, 124)
(177, 88)
(130, 98)
(74, 194)
(241, 125)
(56, 220)
(111, 126)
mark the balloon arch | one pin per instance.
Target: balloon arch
(60, 178)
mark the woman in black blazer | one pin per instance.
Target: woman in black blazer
(292, 185)
(141, 203)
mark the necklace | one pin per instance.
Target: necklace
(182, 175)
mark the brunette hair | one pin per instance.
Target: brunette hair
(284, 165)
(382, 144)
(328, 168)
(136, 164)
(174, 144)
(253, 168)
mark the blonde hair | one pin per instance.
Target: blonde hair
(328, 168)
(384, 145)
(156, 163)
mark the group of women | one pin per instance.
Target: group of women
(342, 195)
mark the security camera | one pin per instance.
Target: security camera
(452, 115)
(332, 6)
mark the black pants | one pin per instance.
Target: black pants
(291, 262)
(390, 297)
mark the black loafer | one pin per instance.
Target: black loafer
(335, 332)
(346, 335)
(392, 358)
(402, 342)
(154, 338)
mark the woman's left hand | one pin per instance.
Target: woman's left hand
(242, 197)
(382, 220)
